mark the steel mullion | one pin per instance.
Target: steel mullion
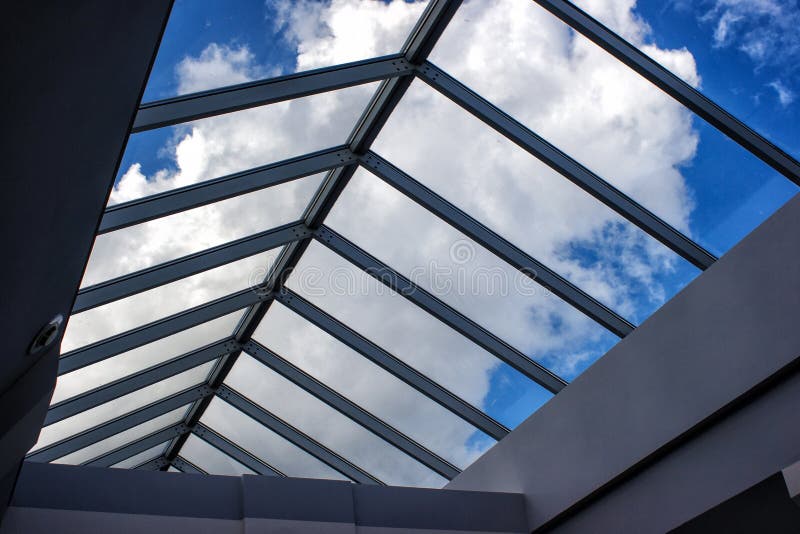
(295, 436)
(185, 466)
(565, 165)
(390, 363)
(348, 408)
(193, 196)
(235, 452)
(675, 87)
(497, 245)
(195, 106)
(426, 32)
(156, 330)
(179, 268)
(142, 415)
(131, 383)
(434, 306)
(418, 45)
(140, 445)
(280, 268)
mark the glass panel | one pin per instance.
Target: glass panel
(387, 318)
(213, 44)
(327, 426)
(123, 405)
(262, 442)
(177, 156)
(141, 358)
(467, 277)
(743, 53)
(123, 438)
(513, 193)
(128, 313)
(609, 118)
(380, 393)
(210, 459)
(145, 245)
(144, 456)
(171, 469)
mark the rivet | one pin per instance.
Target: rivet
(46, 335)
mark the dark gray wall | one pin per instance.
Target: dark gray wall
(729, 331)
(73, 73)
(69, 498)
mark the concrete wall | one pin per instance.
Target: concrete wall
(728, 334)
(70, 499)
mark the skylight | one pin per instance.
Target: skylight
(331, 254)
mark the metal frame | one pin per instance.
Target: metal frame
(397, 72)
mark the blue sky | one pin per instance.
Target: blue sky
(732, 191)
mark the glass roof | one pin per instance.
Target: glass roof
(364, 240)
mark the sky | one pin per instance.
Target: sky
(741, 53)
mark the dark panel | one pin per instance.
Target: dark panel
(766, 507)
(127, 491)
(415, 508)
(74, 73)
(298, 499)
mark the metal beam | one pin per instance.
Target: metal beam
(425, 33)
(428, 29)
(497, 245)
(565, 165)
(281, 268)
(179, 268)
(234, 451)
(120, 424)
(248, 95)
(210, 191)
(185, 466)
(431, 304)
(423, 37)
(675, 87)
(131, 383)
(293, 435)
(390, 363)
(351, 410)
(140, 445)
(156, 330)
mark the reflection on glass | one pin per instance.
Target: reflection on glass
(380, 393)
(263, 443)
(467, 277)
(145, 245)
(141, 358)
(208, 44)
(142, 308)
(177, 156)
(332, 429)
(210, 459)
(434, 349)
(123, 438)
(122, 405)
(742, 53)
(612, 120)
(144, 456)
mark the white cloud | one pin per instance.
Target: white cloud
(522, 60)
(765, 30)
(785, 95)
(217, 66)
